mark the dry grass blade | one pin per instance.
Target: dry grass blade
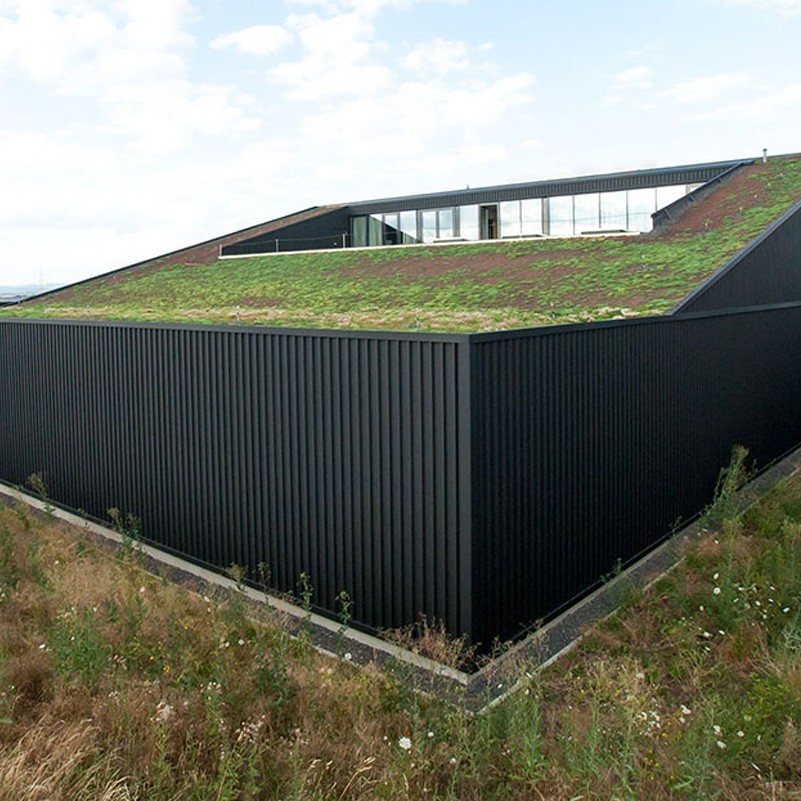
(59, 761)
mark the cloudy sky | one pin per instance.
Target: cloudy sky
(129, 128)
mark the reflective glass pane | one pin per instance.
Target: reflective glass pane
(391, 232)
(358, 231)
(586, 212)
(375, 230)
(665, 195)
(408, 226)
(560, 215)
(445, 220)
(613, 211)
(531, 217)
(429, 225)
(642, 204)
(468, 223)
(510, 218)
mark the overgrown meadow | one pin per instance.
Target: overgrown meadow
(117, 684)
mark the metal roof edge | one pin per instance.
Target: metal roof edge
(141, 263)
(726, 268)
(568, 180)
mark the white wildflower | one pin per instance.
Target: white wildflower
(741, 733)
(249, 730)
(717, 730)
(716, 591)
(685, 710)
(405, 743)
(721, 744)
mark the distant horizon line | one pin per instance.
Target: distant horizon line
(9, 288)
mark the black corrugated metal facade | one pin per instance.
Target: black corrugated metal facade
(342, 456)
(767, 271)
(591, 442)
(485, 480)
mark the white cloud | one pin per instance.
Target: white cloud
(639, 52)
(366, 8)
(65, 44)
(785, 8)
(708, 88)
(43, 44)
(257, 40)
(762, 105)
(337, 59)
(438, 56)
(404, 133)
(344, 38)
(129, 61)
(120, 152)
(154, 23)
(166, 119)
(633, 78)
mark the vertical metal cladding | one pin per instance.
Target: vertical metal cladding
(768, 271)
(486, 480)
(344, 457)
(592, 442)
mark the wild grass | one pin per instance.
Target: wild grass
(116, 684)
(476, 287)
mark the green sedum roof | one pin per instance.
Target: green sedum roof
(465, 288)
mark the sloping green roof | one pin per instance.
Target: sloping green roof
(466, 287)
